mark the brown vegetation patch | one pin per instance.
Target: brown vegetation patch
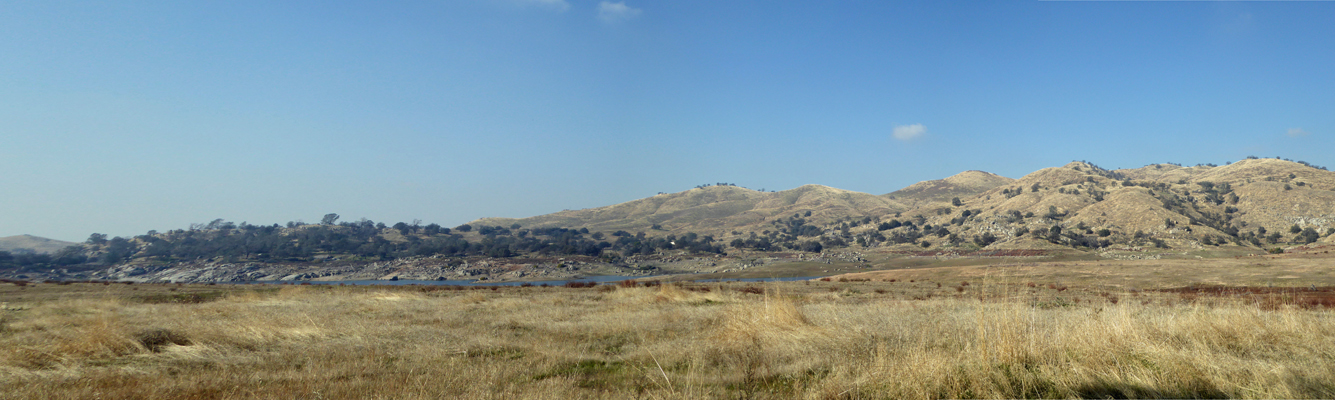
(181, 298)
(156, 339)
(752, 290)
(975, 253)
(1267, 297)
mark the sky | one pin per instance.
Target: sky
(129, 116)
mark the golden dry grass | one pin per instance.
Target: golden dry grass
(793, 340)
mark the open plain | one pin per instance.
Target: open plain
(1210, 328)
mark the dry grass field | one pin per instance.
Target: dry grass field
(923, 337)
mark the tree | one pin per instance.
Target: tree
(329, 219)
(1309, 235)
(70, 255)
(1055, 232)
(1295, 229)
(464, 228)
(118, 249)
(97, 238)
(986, 239)
(956, 202)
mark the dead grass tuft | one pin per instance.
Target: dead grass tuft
(752, 290)
(156, 339)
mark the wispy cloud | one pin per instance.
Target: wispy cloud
(611, 13)
(1297, 132)
(908, 132)
(554, 5)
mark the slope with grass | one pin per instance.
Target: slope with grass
(963, 185)
(1077, 205)
(1076, 210)
(1163, 205)
(32, 243)
(713, 210)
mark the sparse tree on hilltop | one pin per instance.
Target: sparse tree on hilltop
(329, 219)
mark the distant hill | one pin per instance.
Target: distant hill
(715, 210)
(1253, 202)
(1261, 204)
(963, 185)
(35, 243)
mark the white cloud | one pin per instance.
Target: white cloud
(556, 5)
(907, 132)
(1297, 132)
(611, 12)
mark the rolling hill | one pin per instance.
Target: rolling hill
(1253, 202)
(1251, 206)
(962, 185)
(715, 210)
(35, 244)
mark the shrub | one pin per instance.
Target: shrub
(752, 290)
(155, 339)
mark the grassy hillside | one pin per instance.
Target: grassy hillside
(714, 210)
(1251, 206)
(33, 243)
(1180, 207)
(1252, 203)
(963, 185)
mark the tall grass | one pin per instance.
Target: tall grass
(790, 340)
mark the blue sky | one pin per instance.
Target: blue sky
(121, 117)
